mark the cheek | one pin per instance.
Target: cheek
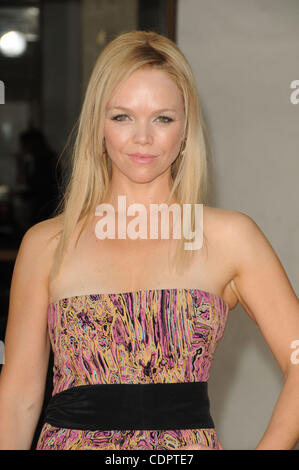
(115, 137)
(170, 142)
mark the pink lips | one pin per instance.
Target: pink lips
(142, 157)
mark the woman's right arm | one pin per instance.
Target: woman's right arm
(27, 345)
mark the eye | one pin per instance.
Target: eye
(165, 119)
(122, 117)
(115, 118)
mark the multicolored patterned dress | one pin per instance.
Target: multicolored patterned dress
(139, 337)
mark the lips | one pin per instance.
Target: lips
(142, 157)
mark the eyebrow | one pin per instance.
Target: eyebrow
(129, 110)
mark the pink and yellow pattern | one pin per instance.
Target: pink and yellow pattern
(146, 336)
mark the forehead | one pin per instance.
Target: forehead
(147, 84)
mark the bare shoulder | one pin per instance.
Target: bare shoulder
(39, 243)
(26, 340)
(231, 233)
(46, 231)
(33, 263)
(261, 283)
(237, 229)
(226, 217)
(235, 233)
(226, 224)
(256, 267)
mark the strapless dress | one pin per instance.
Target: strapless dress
(141, 337)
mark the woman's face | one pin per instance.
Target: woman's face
(144, 116)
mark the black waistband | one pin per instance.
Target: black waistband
(183, 405)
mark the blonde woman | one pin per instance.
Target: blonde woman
(134, 322)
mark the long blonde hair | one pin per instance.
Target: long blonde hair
(90, 167)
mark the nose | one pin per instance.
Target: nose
(143, 134)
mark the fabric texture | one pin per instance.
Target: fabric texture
(153, 336)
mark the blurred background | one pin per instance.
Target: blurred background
(244, 55)
(47, 51)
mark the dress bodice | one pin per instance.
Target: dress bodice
(145, 336)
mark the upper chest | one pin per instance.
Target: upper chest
(99, 266)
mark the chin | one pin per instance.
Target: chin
(140, 174)
(142, 179)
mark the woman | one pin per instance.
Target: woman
(133, 329)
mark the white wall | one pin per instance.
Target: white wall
(244, 54)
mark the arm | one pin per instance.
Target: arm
(265, 292)
(27, 346)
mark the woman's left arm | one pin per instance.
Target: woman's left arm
(265, 292)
